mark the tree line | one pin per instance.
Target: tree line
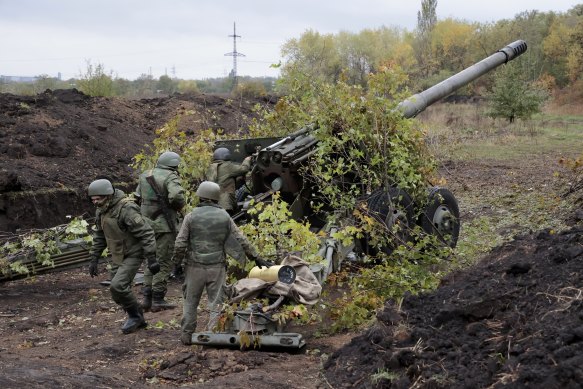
(435, 49)
(95, 80)
(439, 48)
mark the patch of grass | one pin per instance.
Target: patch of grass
(496, 214)
(464, 132)
(506, 214)
(383, 375)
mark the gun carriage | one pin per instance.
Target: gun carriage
(277, 168)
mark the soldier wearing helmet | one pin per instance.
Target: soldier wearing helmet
(120, 227)
(209, 232)
(225, 172)
(161, 198)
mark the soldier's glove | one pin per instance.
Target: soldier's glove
(260, 262)
(177, 272)
(93, 270)
(153, 265)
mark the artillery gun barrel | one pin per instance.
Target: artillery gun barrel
(417, 103)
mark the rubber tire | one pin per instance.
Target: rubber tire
(379, 205)
(441, 216)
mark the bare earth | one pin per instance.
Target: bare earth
(514, 320)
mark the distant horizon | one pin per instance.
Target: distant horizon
(35, 78)
(192, 40)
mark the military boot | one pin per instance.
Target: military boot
(147, 301)
(135, 320)
(186, 338)
(158, 302)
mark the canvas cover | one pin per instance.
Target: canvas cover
(305, 290)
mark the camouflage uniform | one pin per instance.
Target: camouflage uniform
(169, 184)
(210, 233)
(225, 174)
(129, 238)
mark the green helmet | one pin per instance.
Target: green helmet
(208, 190)
(222, 153)
(168, 159)
(100, 187)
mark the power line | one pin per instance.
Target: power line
(235, 54)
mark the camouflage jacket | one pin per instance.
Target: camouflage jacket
(172, 193)
(225, 174)
(122, 229)
(208, 234)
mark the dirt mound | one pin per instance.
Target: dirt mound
(55, 143)
(514, 320)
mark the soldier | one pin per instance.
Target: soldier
(209, 232)
(225, 173)
(161, 199)
(120, 227)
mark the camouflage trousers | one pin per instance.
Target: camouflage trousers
(122, 282)
(197, 279)
(164, 250)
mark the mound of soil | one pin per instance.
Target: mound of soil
(54, 144)
(514, 320)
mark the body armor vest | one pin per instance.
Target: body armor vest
(209, 231)
(118, 240)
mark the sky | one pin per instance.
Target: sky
(188, 39)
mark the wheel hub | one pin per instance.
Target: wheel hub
(444, 221)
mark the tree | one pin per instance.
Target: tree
(427, 17)
(426, 21)
(122, 87)
(167, 85)
(563, 46)
(145, 85)
(95, 81)
(313, 56)
(187, 86)
(347, 57)
(450, 43)
(44, 82)
(513, 96)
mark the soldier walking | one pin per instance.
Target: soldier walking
(161, 199)
(120, 227)
(209, 232)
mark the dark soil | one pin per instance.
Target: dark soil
(513, 320)
(54, 144)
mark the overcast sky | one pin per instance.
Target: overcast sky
(189, 38)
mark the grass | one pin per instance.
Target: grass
(494, 214)
(464, 132)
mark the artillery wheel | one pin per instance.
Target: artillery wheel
(441, 216)
(394, 208)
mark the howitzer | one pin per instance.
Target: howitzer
(278, 169)
(277, 165)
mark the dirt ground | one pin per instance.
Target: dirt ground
(513, 320)
(62, 330)
(54, 144)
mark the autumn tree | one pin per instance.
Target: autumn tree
(313, 55)
(563, 46)
(350, 57)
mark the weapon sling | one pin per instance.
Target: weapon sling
(164, 206)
